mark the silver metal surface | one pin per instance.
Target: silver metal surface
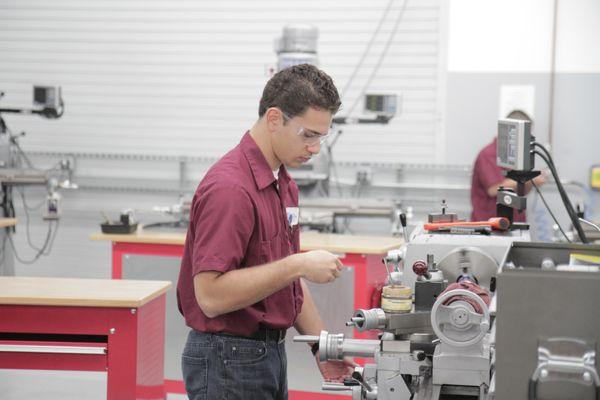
(457, 324)
(468, 261)
(333, 346)
(306, 339)
(441, 244)
(410, 323)
(23, 176)
(365, 320)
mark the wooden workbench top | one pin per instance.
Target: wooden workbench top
(79, 292)
(348, 243)
(308, 241)
(143, 237)
(4, 222)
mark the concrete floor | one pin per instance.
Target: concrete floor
(56, 385)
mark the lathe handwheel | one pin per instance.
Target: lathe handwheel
(439, 308)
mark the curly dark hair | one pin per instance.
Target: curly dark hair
(293, 90)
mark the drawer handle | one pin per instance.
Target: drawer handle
(23, 348)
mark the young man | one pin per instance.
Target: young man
(240, 285)
(488, 177)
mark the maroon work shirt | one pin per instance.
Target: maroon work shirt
(238, 220)
(485, 174)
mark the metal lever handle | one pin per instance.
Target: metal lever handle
(354, 321)
(22, 348)
(338, 387)
(359, 378)
(403, 223)
(306, 339)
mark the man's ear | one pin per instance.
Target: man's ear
(274, 119)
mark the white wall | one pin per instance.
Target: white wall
(516, 36)
(495, 35)
(184, 78)
(578, 28)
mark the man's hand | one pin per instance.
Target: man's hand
(319, 266)
(336, 371)
(541, 178)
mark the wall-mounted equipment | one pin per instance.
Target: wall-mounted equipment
(514, 145)
(297, 45)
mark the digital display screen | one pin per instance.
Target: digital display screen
(514, 145)
(508, 145)
(380, 103)
(39, 95)
(45, 96)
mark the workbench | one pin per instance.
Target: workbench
(157, 255)
(116, 327)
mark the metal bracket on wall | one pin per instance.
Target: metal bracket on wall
(183, 162)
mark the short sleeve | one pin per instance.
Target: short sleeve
(223, 218)
(488, 173)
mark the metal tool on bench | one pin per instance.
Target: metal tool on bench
(498, 223)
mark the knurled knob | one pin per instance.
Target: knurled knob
(420, 267)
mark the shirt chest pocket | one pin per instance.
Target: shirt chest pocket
(273, 250)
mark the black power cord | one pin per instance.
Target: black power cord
(550, 211)
(545, 155)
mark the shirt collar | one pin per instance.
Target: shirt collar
(263, 176)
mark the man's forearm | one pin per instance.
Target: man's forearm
(240, 288)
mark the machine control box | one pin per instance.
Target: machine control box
(514, 145)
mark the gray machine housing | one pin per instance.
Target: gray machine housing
(440, 244)
(538, 306)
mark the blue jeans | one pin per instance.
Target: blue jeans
(223, 367)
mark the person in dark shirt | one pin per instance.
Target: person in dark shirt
(488, 177)
(241, 283)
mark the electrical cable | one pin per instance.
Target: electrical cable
(367, 48)
(381, 58)
(39, 253)
(585, 221)
(564, 197)
(27, 231)
(22, 153)
(27, 225)
(550, 211)
(51, 243)
(333, 169)
(561, 190)
(50, 235)
(27, 206)
(3, 256)
(541, 147)
(567, 202)
(15, 142)
(545, 150)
